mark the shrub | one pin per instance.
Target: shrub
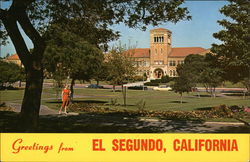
(151, 84)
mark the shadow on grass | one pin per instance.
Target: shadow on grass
(81, 101)
(11, 88)
(177, 102)
(235, 94)
(234, 129)
(202, 95)
(111, 122)
(204, 108)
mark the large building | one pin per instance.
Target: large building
(161, 58)
(14, 59)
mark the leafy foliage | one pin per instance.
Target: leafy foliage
(198, 69)
(69, 55)
(234, 52)
(10, 73)
(120, 66)
(90, 19)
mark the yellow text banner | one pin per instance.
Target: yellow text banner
(125, 147)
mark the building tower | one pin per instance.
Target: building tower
(160, 47)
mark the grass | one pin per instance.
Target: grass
(95, 122)
(155, 100)
(228, 84)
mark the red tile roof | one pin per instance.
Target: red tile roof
(13, 57)
(139, 52)
(185, 51)
(159, 29)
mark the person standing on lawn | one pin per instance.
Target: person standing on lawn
(65, 99)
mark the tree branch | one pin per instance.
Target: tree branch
(2, 13)
(11, 27)
(28, 28)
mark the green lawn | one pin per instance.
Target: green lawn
(155, 100)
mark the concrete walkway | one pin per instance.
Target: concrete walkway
(44, 110)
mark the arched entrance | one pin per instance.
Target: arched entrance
(158, 73)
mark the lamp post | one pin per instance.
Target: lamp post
(143, 74)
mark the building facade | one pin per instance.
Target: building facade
(161, 58)
(14, 59)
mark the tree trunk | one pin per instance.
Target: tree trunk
(19, 83)
(124, 93)
(72, 89)
(181, 98)
(97, 82)
(31, 61)
(32, 99)
(198, 94)
(113, 88)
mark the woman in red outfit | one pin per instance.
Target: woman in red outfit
(65, 99)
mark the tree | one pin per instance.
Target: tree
(211, 74)
(184, 82)
(191, 70)
(101, 73)
(35, 17)
(233, 53)
(202, 69)
(120, 68)
(211, 78)
(165, 79)
(10, 73)
(69, 56)
(181, 85)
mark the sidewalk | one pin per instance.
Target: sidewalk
(44, 110)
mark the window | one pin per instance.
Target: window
(174, 73)
(160, 62)
(158, 39)
(172, 63)
(170, 73)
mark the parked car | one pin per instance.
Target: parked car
(94, 86)
(138, 87)
(162, 88)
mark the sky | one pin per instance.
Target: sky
(197, 32)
